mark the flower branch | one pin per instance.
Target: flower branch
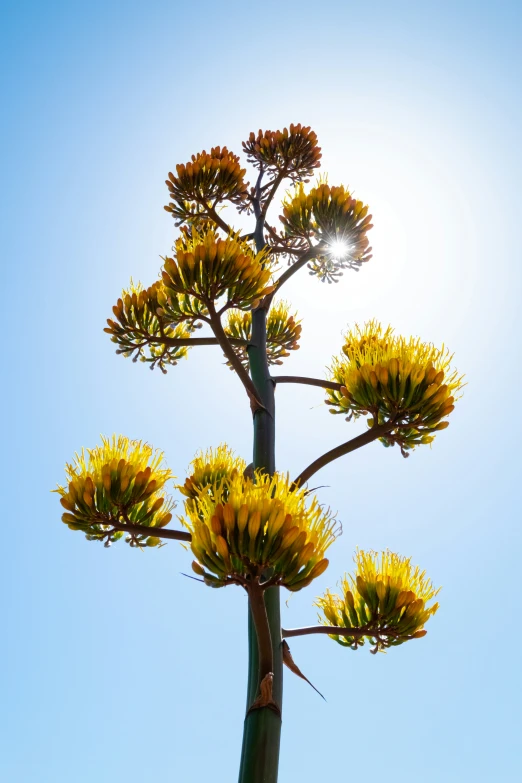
(377, 431)
(232, 357)
(306, 381)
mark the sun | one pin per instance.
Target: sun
(339, 249)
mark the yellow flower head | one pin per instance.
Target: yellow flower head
(119, 481)
(243, 529)
(141, 323)
(397, 380)
(291, 152)
(282, 332)
(329, 215)
(210, 469)
(387, 596)
(208, 267)
(213, 177)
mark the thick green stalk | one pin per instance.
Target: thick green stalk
(262, 731)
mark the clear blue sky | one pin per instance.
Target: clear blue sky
(115, 666)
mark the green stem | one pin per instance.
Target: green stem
(262, 730)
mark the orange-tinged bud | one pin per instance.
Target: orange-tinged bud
(404, 598)
(383, 375)
(151, 486)
(197, 568)
(442, 425)
(222, 547)
(157, 504)
(319, 568)
(164, 520)
(229, 517)
(215, 524)
(254, 524)
(289, 537)
(66, 504)
(242, 517)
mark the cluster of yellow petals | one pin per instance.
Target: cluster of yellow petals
(283, 331)
(243, 527)
(210, 468)
(208, 267)
(121, 480)
(387, 596)
(396, 379)
(329, 215)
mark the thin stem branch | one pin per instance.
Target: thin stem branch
(145, 530)
(377, 431)
(235, 362)
(307, 381)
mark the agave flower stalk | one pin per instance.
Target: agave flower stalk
(251, 526)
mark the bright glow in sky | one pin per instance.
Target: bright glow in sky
(116, 667)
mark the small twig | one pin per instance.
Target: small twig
(307, 381)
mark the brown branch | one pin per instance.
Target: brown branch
(213, 215)
(377, 431)
(264, 638)
(335, 630)
(307, 381)
(303, 259)
(277, 181)
(145, 530)
(194, 341)
(231, 355)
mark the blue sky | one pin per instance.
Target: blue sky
(115, 666)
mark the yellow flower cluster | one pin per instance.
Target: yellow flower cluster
(387, 596)
(213, 177)
(332, 216)
(211, 468)
(119, 481)
(282, 332)
(244, 529)
(291, 152)
(208, 267)
(141, 324)
(397, 380)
